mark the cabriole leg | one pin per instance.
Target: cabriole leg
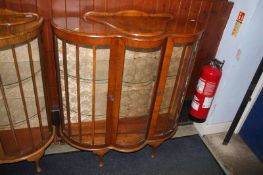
(101, 154)
(36, 158)
(154, 146)
(38, 167)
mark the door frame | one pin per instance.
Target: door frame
(254, 96)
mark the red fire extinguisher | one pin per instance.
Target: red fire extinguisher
(205, 90)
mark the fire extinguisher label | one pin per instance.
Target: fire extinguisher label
(200, 86)
(207, 102)
(195, 104)
(209, 88)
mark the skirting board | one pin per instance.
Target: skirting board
(205, 129)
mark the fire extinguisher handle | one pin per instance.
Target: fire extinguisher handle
(218, 63)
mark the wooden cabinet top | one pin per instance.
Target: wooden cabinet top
(17, 27)
(131, 24)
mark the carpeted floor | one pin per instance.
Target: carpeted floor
(180, 156)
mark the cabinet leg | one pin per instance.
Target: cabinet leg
(101, 154)
(153, 153)
(36, 158)
(154, 146)
(38, 167)
(101, 161)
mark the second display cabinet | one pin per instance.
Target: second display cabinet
(122, 77)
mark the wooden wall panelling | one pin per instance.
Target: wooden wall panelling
(174, 6)
(216, 22)
(138, 4)
(72, 7)
(85, 6)
(116, 5)
(58, 7)
(13, 4)
(125, 4)
(185, 6)
(195, 10)
(148, 6)
(209, 43)
(162, 6)
(29, 6)
(112, 5)
(2, 4)
(100, 5)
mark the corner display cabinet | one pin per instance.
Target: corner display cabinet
(122, 77)
(25, 131)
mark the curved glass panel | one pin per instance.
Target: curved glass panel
(139, 78)
(23, 117)
(84, 88)
(166, 122)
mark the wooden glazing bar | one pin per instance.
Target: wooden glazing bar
(62, 122)
(65, 68)
(180, 80)
(22, 94)
(182, 64)
(120, 57)
(160, 85)
(116, 65)
(44, 78)
(187, 79)
(9, 114)
(111, 90)
(93, 91)
(78, 92)
(35, 89)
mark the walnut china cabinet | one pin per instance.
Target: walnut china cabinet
(25, 130)
(122, 77)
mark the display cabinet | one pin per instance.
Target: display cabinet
(122, 77)
(25, 130)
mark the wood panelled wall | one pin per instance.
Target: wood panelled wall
(214, 13)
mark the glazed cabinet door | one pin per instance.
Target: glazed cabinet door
(83, 75)
(173, 87)
(141, 61)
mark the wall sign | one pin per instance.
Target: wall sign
(239, 21)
